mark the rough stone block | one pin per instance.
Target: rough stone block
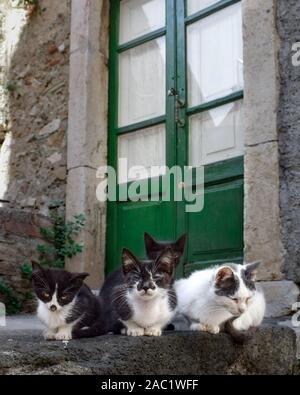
(280, 297)
(272, 350)
(261, 71)
(262, 214)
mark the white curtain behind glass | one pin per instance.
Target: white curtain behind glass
(215, 56)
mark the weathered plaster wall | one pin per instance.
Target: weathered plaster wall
(288, 14)
(87, 133)
(34, 154)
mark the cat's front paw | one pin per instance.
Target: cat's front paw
(135, 332)
(213, 329)
(49, 335)
(153, 332)
(64, 334)
(198, 327)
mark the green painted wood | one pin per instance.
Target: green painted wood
(111, 230)
(141, 125)
(210, 10)
(142, 40)
(127, 221)
(216, 234)
(182, 133)
(216, 103)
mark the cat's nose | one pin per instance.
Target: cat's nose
(148, 286)
(53, 308)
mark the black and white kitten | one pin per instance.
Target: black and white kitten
(153, 250)
(141, 297)
(66, 305)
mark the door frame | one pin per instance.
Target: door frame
(87, 133)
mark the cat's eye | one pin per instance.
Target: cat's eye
(235, 300)
(64, 297)
(46, 295)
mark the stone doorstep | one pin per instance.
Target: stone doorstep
(23, 351)
(288, 323)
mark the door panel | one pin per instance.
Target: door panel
(213, 235)
(216, 135)
(142, 149)
(194, 6)
(134, 218)
(142, 98)
(140, 17)
(215, 56)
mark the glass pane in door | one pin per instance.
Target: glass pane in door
(142, 82)
(216, 135)
(194, 6)
(139, 17)
(142, 149)
(215, 56)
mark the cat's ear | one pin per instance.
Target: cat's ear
(79, 276)
(129, 261)
(150, 243)
(36, 267)
(77, 279)
(224, 276)
(166, 261)
(39, 277)
(251, 270)
(180, 244)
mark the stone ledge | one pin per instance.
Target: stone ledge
(271, 351)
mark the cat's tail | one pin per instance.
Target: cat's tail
(239, 337)
(98, 329)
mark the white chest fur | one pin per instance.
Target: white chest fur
(155, 312)
(56, 319)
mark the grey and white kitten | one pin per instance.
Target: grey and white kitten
(143, 299)
(212, 297)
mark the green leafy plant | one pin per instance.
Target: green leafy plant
(26, 270)
(10, 86)
(32, 6)
(60, 237)
(12, 303)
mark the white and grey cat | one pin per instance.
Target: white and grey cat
(212, 297)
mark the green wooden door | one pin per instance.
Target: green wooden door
(176, 89)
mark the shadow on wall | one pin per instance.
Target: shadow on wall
(33, 157)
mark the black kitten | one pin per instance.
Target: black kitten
(145, 301)
(154, 248)
(66, 305)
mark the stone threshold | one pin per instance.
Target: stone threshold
(272, 350)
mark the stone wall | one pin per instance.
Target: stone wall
(288, 12)
(262, 220)
(33, 157)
